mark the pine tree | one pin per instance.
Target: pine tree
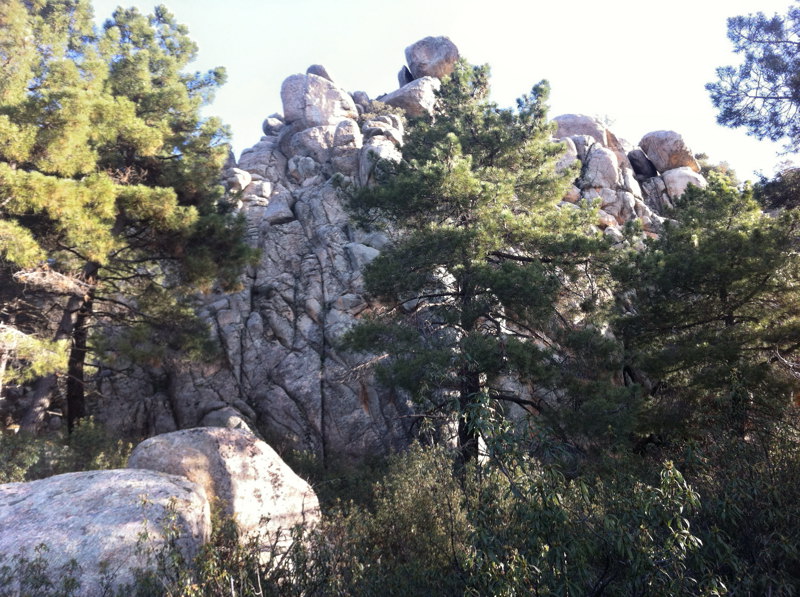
(762, 94)
(476, 312)
(713, 313)
(109, 197)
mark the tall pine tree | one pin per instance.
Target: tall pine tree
(713, 313)
(109, 197)
(489, 284)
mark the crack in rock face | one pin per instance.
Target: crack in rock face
(281, 373)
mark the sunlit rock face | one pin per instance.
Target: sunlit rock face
(108, 522)
(627, 183)
(244, 475)
(282, 372)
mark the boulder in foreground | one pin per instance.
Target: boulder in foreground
(99, 520)
(251, 481)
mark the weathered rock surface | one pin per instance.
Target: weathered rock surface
(570, 155)
(282, 369)
(417, 98)
(570, 125)
(244, 473)
(601, 168)
(315, 101)
(667, 150)
(97, 518)
(619, 179)
(431, 57)
(677, 179)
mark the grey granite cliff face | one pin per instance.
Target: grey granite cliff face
(281, 372)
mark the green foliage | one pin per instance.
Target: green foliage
(109, 174)
(28, 356)
(782, 191)
(516, 527)
(615, 535)
(752, 485)
(24, 457)
(485, 259)
(712, 317)
(721, 168)
(22, 576)
(414, 538)
(762, 93)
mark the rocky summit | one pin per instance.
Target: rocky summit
(281, 372)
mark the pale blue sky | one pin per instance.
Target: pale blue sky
(640, 64)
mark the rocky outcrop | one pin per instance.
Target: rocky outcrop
(417, 98)
(665, 166)
(312, 100)
(626, 183)
(233, 466)
(282, 370)
(431, 57)
(667, 150)
(110, 522)
(607, 178)
(282, 373)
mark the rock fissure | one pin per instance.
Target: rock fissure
(279, 334)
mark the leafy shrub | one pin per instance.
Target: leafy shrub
(25, 457)
(750, 522)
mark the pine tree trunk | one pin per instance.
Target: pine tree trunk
(76, 382)
(41, 395)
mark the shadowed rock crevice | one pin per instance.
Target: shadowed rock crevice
(281, 373)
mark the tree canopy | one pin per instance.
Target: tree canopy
(762, 94)
(482, 290)
(713, 312)
(109, 194)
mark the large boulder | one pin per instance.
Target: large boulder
(569, 157)
(373, 151)
(431, 57)
(677, 179)
(245, 474)
(347, 142)
(569, 125)
(319, 70)
(315, 101)
(601, 168)
(418, 98)
(655, 195)
(98, 518)
(667, 150)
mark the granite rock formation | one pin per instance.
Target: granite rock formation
(252, 484)
(97, 519)
(282, 373)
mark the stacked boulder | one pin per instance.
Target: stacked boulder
(626, 182)
(106, 528)
(243, 474)
(283, 373)
(665, 166)
(429, 60)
